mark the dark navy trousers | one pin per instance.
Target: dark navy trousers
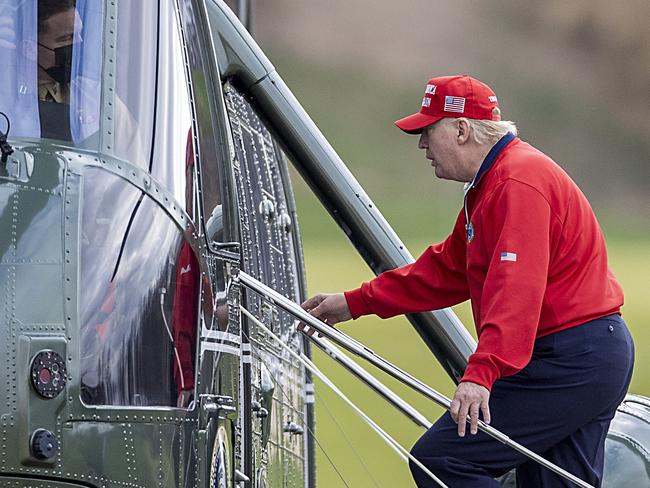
(559, 406)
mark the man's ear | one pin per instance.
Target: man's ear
(462, 130)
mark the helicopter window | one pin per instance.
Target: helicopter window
(139, 287)
(212, 204)
(129, 121)
(53, 48)
(69, 77)
(173, 159)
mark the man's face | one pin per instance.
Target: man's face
(440, 143)
(57, 31)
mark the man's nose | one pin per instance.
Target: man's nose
(422, 142)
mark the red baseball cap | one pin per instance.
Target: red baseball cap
(452, 96)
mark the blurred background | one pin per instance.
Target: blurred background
(575, 76)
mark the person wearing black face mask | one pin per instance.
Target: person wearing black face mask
(57, 37)
(61, 71)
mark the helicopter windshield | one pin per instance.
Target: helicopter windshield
(52, 50)
(62, 79)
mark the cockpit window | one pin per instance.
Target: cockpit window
(51, 84)
(82, 72)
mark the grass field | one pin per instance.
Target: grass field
(333, 265)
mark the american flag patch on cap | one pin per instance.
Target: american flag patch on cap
(509, 256)
(454, 104)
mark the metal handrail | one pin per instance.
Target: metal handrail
(359, 349)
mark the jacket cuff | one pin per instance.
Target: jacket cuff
(481, 374)
(356, 303)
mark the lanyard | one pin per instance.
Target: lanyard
(485, 166)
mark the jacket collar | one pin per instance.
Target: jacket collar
(491, 158)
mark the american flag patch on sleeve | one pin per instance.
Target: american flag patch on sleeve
(509, 256)
(454, 104)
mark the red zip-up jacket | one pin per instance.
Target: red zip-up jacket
(532, 259)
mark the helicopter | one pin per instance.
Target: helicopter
(144, 172)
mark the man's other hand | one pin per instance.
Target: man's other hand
(468, 400)
(331, 308)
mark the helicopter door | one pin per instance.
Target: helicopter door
(276, 393)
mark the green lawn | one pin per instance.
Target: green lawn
(333, 265)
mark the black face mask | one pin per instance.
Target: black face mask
(62, 69)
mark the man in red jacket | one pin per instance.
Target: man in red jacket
(554, 358)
